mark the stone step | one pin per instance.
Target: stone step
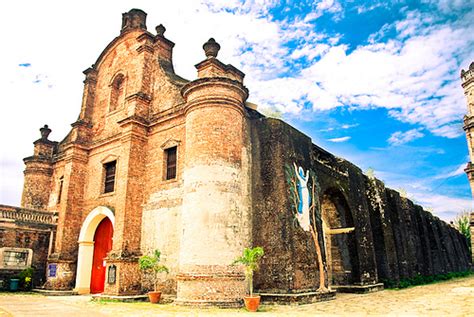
(296, 298)
(49, 292)
(358, 289)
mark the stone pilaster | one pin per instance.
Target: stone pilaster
(70, 210)
(128, 214)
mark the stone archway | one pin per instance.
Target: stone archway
(341, 249)
(86, 246)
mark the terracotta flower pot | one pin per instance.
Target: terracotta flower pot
(252, 302)
(154, 297)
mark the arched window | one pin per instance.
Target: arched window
(117, 92)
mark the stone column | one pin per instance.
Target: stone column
(216, 203)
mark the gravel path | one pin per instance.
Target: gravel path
(450, 298)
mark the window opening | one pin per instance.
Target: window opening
(109, 181)
(171, 163)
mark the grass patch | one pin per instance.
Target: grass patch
(103, 301)
(424, 279)
(5, 292)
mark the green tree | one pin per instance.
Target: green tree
(250, 259)
(461, 222)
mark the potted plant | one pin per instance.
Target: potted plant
(150, 264)
(250, 259)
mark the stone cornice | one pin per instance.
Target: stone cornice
(221, 81)
(134, 120)
(141, 96)
(468, 122)
(145, 48)
(167, 115)
(146, 36)
(225, 67)
(160, 39)
(38, 159)
(81, 123)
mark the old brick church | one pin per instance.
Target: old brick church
(155, 161)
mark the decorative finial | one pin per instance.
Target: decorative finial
(45, 131)
(211, 48)
(160, 30)
(471, 67)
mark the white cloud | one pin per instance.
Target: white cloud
(401, 75)
(458, 171)
(399, 137)
(446, 207)
(423, 192)
(339, 140)
(349, 126)
(414, 76)
(329, 5)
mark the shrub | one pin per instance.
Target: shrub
(26, 278)
(424, 279)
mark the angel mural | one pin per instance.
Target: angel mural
(304, 191)
(305, 199)
(307, 204)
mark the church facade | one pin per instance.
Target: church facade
(155, 161)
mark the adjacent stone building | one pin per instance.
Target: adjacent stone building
(467, 79)
(155, 161)
(26, 238)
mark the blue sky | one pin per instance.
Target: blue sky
(375, 82)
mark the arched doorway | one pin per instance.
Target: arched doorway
(95, 241)
(341, 249)
(102, 245)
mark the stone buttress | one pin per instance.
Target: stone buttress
(216, 203)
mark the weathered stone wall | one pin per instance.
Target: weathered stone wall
(290, 260)
(393, 238)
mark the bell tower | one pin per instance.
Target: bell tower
(467, 79)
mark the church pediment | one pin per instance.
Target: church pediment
(170, 143)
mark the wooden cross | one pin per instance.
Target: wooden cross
(327, 232)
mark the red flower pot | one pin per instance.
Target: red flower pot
(252, 302)
(154, 297)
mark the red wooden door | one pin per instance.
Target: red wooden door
(102, 245)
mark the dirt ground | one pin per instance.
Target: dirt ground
(449, 298)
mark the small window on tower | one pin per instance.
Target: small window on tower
(109, 180)
(170, 156)
(116, 94)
